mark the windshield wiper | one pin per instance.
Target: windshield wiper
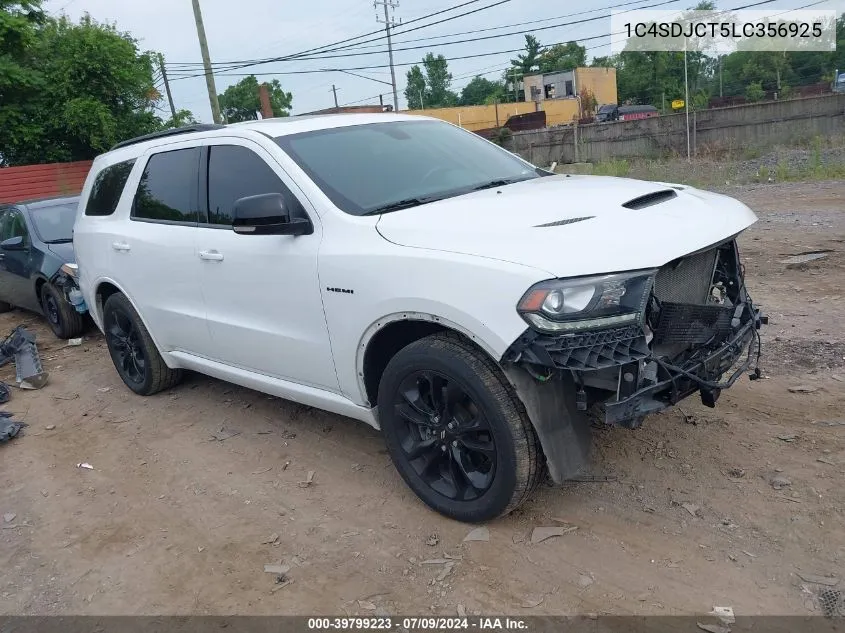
(501, 182)
(62, 240)
(407, 203)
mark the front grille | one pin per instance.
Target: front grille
(692, 324)
(686, 280)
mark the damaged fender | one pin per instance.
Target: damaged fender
(563, 430)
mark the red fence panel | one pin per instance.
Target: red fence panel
(42, 181)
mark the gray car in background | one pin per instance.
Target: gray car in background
(37, 263)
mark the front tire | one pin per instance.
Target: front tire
(132, 350)
(456, 431)
(62, 318)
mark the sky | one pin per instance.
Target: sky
(258, 29)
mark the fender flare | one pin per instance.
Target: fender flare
(376, 326)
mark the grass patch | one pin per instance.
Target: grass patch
(618, 168)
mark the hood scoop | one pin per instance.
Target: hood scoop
(651, 199)
(564, 222)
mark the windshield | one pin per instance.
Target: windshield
(606, 108)
(380, 167)
(54, 224)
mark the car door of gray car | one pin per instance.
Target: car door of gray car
(16, 285)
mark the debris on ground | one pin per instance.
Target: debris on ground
(435, 561)
(788, 437)
(85, 465)
(104, 389)
(9, 428)
(779, 482)
(282, 584)
(830, 422)
(50, 427)
(832, 603)
(447, 569)
(803, 258)
(20, 345)
(803, 389)
(585, 580)
(725, 614)
(5, 393)
(273, 540)
(714, 628)
(816, 579)
(278, 570)
(366, 604)
(462, 610)
(262, 471)
(74, 342)
(9, 517)
(478, 534)
(432, 540)
(540, 534)
(736, 473)
(532, 602)
(224, 434)
(309, 479)
(691, 508)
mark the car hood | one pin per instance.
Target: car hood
(573, 225)
(62, 251)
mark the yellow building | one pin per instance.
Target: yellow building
(555, 93)
(571, 84)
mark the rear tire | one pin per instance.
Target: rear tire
(456, 431)
(62, 318)
(132, 350)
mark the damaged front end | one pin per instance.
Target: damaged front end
(643, 341)
(67, 280)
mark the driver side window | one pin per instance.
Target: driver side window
(14, 226)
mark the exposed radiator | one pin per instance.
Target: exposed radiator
(687, 280)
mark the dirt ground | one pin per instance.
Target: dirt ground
(682, 515)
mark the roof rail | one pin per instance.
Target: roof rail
(199, 127)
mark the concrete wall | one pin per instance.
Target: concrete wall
(558, 112)
(601, 82)
(42, 181)
(759, 126)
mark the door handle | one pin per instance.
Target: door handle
(121, 246)
(211, 256)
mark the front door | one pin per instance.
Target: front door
(16, 262)
(262, 292)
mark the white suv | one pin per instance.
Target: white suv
(402, 271)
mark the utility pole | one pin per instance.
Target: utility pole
(206, 62)
(167, 86)
(720, 76)
(334, 90)
(515, 88)
(422, 101)
(686, 99)
(389, 22)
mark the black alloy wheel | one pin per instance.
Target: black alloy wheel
(124, 342)
(446, 437)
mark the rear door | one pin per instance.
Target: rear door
(154, 257)
(262, 292)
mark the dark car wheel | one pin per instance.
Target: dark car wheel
(456, 431)
(132, 349)
(62, 318)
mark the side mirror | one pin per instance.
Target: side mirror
(12, 244)
(266, 214)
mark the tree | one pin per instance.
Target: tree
(241, 101)
(563, 57)
(755, 92)
(480, 91)
(89, 87)
(528, 62)
(432, 89)
(415, 89)
(182, 118)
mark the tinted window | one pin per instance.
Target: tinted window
(54, 223)
(168, 186)
(236, 172)
(365, 168)
(107, 188)
(14, 226)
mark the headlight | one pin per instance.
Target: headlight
(71, 270)
(587, 303)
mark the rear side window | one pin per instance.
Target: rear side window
(168, 187)
(235, 172)
(108, 185)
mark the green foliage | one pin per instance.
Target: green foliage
(755, 92)
(241, 101)
(182, 118)
(529, 61)
(78, 88)
(563, 57)
(618, 168)
(502, 136)
(481, 91)
(433, 85)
